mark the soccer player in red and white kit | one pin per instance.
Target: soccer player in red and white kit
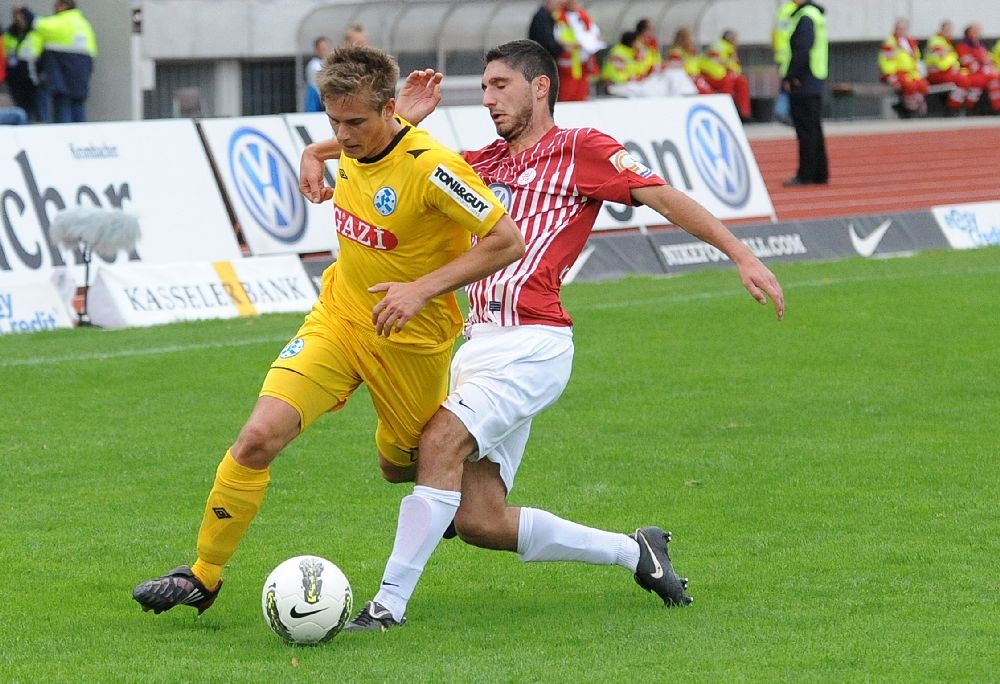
(518, 352)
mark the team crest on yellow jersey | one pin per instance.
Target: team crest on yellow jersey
(385, 201)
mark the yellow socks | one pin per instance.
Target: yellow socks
(233, 502)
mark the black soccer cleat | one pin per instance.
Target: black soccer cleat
(655, 572)
(373, 617)
(179, 587)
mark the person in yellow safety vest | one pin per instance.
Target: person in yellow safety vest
(722, 69)
(683, 54)
(995, 55)
(804, 80)
(943, 66)
(574, 84)
(648, 48)
(621, 64)
(899, 63)
(68, 51)
(781, 34)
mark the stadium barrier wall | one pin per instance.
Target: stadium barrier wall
(194, 190)
(145, 294)
(33, 302)
(879, 236)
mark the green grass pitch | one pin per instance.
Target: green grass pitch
(830, 481)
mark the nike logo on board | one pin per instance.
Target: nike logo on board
(866, 246)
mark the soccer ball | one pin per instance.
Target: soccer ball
(307, 600)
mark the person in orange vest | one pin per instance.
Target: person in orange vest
(683, 54)
(943, 66)
(899, 63)
(983, 74)
(723, 71)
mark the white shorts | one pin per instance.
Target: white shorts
(501, 378)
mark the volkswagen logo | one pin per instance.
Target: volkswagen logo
(503, 194)
(718, 157)
(267, 185)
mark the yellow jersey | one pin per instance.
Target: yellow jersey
(399, 216)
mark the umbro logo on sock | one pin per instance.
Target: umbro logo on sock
(221, 513)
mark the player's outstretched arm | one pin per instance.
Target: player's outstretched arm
(314, 156)
(419, 95)
(686, 213)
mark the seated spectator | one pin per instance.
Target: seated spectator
(900, 66)
(625, 73)
(648, 51)
(983, 73)
(723, 71)
(683, 54)
(621, 66)
(943, 66)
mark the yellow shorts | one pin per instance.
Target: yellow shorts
(319, 369)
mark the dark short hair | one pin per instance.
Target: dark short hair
(353, 70)
(531, 60)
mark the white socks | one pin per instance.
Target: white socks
(424, 515)
(545, 537)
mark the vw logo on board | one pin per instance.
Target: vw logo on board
(718, 157)
(267, 184)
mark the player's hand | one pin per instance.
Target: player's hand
(761, 284)
(402, 302)
(311, 183)
(419, 95)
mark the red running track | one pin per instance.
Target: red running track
(884, 167)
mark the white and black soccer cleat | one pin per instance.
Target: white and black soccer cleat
(374, 617)
(655, 572)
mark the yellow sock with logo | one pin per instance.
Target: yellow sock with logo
(233, 502)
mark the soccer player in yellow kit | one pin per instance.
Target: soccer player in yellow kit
(405, 210)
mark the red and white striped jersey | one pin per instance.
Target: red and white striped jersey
(553, 191)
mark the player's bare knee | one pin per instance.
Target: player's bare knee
(475, 530)
(445, 441)
(397, 474)
(256, 446)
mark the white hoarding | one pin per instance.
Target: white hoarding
(33, 302)
(966, 226)
(258, 161)
(156, 170)
(696, 143)
(136, 295)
